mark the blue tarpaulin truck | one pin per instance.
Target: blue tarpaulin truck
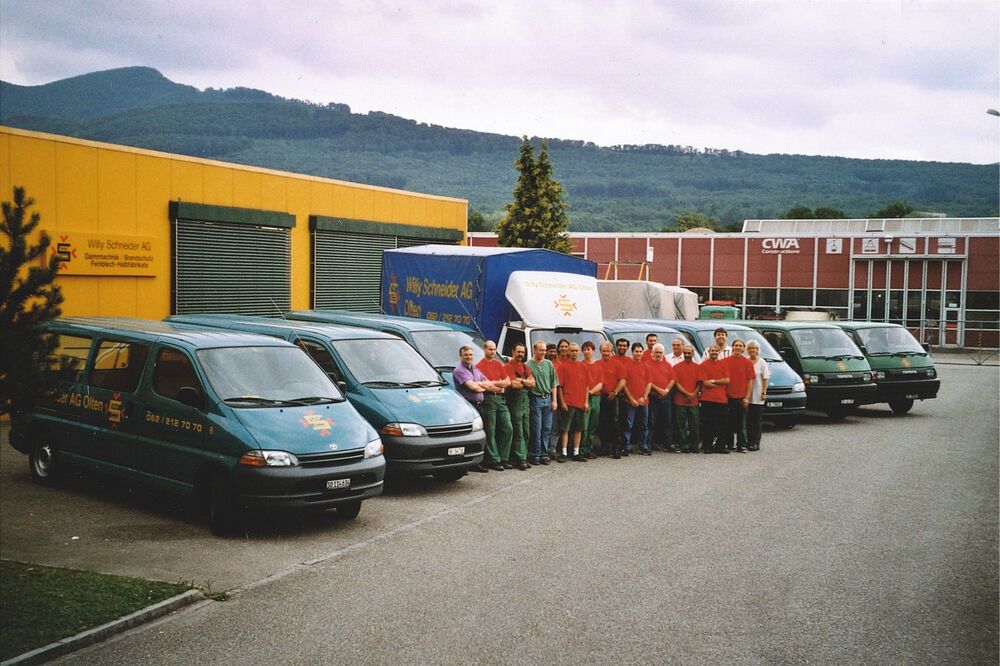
(509, 295)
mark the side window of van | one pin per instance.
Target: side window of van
(319, 354)
(777, 339)
(173, 371)
(118, 365)
(512, 339)
(69, 359)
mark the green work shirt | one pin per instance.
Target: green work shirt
(545, 376)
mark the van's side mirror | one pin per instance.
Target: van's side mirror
(926, 346)
(342, 385)
(190, 396)
(785, 352)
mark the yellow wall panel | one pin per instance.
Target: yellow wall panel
(272, 193)
(187, 181)
(76, 188)
(364, 204)
(117, 297)
(32, 165)
(5, 184)
(246, 189)
(320, 197)
(298, 199)
(81, 295)
(301, 265)
(116, 192)
(343, 202)
(217, 184)
(383, 205)
(152, 188)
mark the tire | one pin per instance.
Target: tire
(837, 413)
(42, 464)
(901, 406)
(223, 507)
(449, 475)
(349, 510)
(786, 424)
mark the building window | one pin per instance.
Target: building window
(796, 298)
(832, 298)
(762, 297)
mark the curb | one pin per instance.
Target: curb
(90, 636)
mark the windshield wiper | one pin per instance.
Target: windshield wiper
(383, 384)
(817, 356)
(841, 357)
(424, 383)
(315, 400)
(257, 400)
(909, 353)
(880, 353)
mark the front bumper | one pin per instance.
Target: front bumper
(922, 389)
(425, 455)
(304, 486)
(785, 407)
(835, 396)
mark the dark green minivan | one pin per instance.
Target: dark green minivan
(904, 370)
(235, 420)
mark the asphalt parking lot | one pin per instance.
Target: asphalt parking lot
(868, 540)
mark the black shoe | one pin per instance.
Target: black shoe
(507, 465)
(478, 468)
(626, 453)
(543, 461)
(726, 451)
(645, 452)
(708, 451)
(589, 456)
(616, 455)
(495, 466)
(743, 449)
(522, 465)
(560, 459)
(532, 460)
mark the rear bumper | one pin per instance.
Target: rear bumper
(425, 455)
(923, 389)
(297, 488)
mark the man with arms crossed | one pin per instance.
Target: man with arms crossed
(741, 372)
(521, 382)
(612, 384)
(496, 416)
(542, 402)
(661, 377)
(595, 384)
(714, 376)
(687, 428)
(572, 402)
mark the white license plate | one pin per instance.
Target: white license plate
(456, 450)
(847, 401)
(774, 404)
(337, 484)
(912, 396)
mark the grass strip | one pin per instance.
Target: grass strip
(39, 605)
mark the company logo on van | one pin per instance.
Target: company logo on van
(393, 294)
(906, 363)
(779, 246)
(115, 410)
(321, 424)
(565, 305)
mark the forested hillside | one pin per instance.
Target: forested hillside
(608, 188)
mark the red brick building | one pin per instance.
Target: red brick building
(938, 276)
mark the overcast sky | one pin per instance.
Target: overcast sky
(879, 79)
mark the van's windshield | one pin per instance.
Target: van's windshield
(831, 343)
(440, 348)
(267, 377)
(767, 352)
(550, 336)
(888, 340)
(387, 363)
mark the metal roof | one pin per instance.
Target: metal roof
(918, 226)
(264, 324)
(152, 329)
(367, 319)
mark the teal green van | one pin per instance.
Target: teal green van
(836, 374)
(237, 421)
(904, 370)
(425, 425)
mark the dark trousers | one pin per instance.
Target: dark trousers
(607, 426)
(755, 415)
(736, 424)
(660, 422)
(713, 425)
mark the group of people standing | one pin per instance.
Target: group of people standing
(564, 403)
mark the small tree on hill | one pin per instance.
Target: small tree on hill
(895, 209)
(537, 216)
(691, 220)
(28, 299)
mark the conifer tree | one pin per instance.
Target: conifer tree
(28, 299)
(537, 216)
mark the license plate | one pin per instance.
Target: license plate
(847, 401)
(456, 450)
(912, 396)
(338, 484)
(774, 404)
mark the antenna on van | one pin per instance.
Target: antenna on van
(280, 313)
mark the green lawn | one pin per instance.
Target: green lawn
(39, 605)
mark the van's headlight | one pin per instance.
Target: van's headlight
(799, 388)
(268, 459)
(811, 379)
(879, 375)
(867, 377)
(477, 423)
(403, 430)
(931, 372)
(373, 449)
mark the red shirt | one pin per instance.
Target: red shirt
(647, 355)
(612, 373)
(573, 380)
(636, 379)
(741, 371)
(713, 370)
(494, 370)
(660, 374)
(517, 370)
(595, 374)
(687, 375)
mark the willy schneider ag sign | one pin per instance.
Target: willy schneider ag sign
(105, 254)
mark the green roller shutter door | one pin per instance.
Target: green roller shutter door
(231, 268)
(348, 269)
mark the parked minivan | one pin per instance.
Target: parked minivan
(635, 330)
(904, 370)
(837, 375)
(236, 421)
(425, 425)
(786, 392)
(437, 342)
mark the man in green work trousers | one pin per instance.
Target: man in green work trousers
(521, 382)
(496, 416)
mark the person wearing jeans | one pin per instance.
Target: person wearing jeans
(637, 393)
(542, 403)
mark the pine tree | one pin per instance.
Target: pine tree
(537, 216)
(28, 299)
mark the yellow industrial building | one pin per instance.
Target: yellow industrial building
(145, 234)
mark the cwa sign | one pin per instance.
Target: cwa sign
(779, 246)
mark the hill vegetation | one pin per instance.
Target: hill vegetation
(617, 188)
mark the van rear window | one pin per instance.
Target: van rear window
(118, 365)
(69, 359)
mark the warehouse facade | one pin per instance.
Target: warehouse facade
(937, 276)
(146, 234)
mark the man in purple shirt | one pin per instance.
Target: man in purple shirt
(473, 385)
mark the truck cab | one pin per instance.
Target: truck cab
(904, 370)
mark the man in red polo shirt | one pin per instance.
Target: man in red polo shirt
(496, 416)
(714, 377)
(637, 392)
(651, 340)
(612, 384)
(573, 403)
(595, 384)
(687, 416)
(661, 377)
(741, 373)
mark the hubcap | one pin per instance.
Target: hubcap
(43, 460)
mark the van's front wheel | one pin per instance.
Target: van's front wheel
(901, 406)
(349, 510)
(223, 506)
(42, 463)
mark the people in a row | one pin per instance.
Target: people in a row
(558, 406)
